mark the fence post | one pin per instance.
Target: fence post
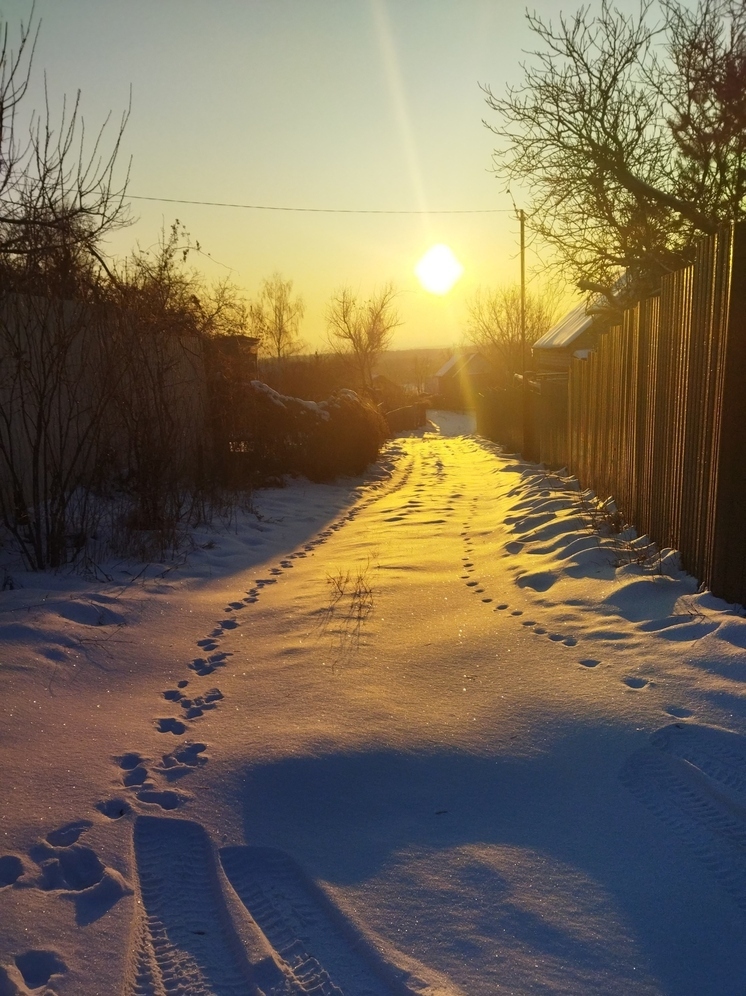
(728, 578)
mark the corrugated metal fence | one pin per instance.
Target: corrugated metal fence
(656, 416)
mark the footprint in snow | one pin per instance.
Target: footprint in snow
(204, 666)
(195, 707)
(182, 761)
(170, 725)
(37, 967)
(501, 606)
(516, 612)
(129, 760)
(679, 712)
(79, 874)
(137, 777)
(113, 809)
(234, 606)
(633, 682)
(69, 833)
(589, 662)
(167, 799)
(11, 869)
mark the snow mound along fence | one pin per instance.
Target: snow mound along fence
(653, 415)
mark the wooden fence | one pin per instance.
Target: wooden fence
(405, 419)
(655, 416)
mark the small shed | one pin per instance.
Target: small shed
(461, 378)
(576, 331)
(232, 357)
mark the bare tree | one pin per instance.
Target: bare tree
(59, 194)
(224, 310)
(156, 285)
(57, 375)
(165, 312)
(276, 315)
(629, 131)
(362, 328)
(494, 323)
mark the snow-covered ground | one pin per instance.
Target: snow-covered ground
(423, 732)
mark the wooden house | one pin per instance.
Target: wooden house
(575, 333)
(460, 379)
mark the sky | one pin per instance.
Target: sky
(361, 105)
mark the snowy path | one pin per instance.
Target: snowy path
(443, 744)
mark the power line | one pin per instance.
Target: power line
(309, 210)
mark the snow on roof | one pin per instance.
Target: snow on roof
(566, 330)
(457, 363)
(448, 366)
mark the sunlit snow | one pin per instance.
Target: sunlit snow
(421, 732)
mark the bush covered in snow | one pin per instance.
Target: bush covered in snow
(321, 440)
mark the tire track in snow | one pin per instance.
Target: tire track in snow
(185, 941)
(326, 953)
(186, 944)
(693, 778)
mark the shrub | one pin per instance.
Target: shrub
(321, 440)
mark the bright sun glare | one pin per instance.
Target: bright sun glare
(438, 270)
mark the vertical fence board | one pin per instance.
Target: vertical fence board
(728, 576)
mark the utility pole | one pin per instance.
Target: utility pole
(526, 402)
(522, 215)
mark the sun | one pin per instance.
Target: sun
(438, 270)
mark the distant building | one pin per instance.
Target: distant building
(460, 379)
(232, 357)
(388, 394)
(576, 332)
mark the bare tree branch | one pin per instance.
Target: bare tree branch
(276, 315)
(362, 328)
(629, 131)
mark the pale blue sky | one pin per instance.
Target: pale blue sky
(309, 103)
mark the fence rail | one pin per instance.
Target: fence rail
(655, 416)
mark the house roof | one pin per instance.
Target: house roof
(567, 329)
(448, 366)
(461, 361)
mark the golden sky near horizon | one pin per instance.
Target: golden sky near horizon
(352, 105)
